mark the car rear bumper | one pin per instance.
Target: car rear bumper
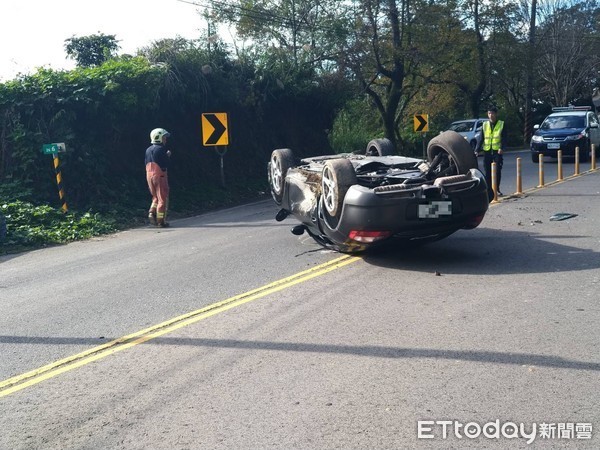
(401, 212)
(567, 148)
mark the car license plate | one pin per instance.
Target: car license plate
(435, 210)
(553, 146)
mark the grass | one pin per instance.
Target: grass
(29, 226)
(25, 226)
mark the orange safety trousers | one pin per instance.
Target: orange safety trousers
(158, 184)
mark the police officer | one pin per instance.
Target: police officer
(157, 162)
(494, 142)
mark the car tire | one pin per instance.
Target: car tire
(461, 153)
(380, 147)
(337, 177)
(535, 157)
(281, 161)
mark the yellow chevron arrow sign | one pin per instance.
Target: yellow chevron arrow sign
(421, 122)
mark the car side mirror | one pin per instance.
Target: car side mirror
(536, 126)
(593, 125)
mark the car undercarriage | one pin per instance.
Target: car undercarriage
(340, 199)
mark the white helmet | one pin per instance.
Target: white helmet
(157, 134)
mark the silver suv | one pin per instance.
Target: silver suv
(471, 130)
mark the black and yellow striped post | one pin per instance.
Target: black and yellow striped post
(59, 183)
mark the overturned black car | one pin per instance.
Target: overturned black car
(350, 202)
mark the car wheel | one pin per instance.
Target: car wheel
(281, 161)
(338, 175)
(535, 157)
(380, 147)
(461, 156)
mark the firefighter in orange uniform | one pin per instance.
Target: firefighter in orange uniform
(157, 163)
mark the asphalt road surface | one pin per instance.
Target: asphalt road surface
(226, 332)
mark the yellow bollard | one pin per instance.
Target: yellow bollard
(519, 178)
(559, 165)
(593, 157)
(541, 170)
(576, 160)
(494, 182)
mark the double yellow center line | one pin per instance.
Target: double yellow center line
(33, 377)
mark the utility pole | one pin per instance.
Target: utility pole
(528, 128)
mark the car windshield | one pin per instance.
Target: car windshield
(559, 122)
(462, 127)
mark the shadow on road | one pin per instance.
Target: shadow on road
(490, 252)
(369, 351)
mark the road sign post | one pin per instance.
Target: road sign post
(50, 149)
(421, 125)
(221, 152)
(54, 150)
(59, 183)
(215, 133)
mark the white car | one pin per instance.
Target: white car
(471, 130)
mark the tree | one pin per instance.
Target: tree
(390, 48)
(475, 91)
(568, 60)
(93, 50)
(528, 128)
(463, 61)
(401, 49)
(305, 31)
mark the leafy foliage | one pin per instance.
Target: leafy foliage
(353, 129)
(29, 226)
(93, 50)
(91, 110)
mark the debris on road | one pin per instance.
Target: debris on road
(562, 216)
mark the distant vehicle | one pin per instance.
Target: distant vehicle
(352, 201)
(564, 129)
(471, 130)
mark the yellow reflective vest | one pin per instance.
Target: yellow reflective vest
(492, 138)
